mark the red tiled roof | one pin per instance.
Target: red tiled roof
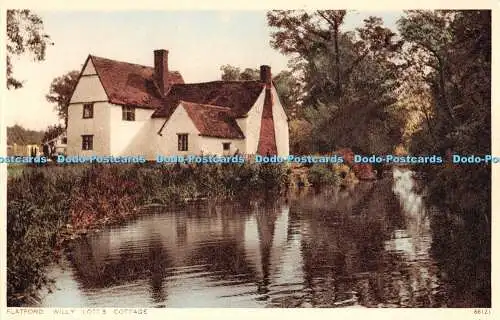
(239, 96)
(267, 138)
(212, 106)
(213, 121)
(130, 84)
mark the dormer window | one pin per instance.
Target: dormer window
(88, 110)
(128, 113)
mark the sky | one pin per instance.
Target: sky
(199, 43)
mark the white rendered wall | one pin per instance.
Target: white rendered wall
(99, 126)
(251, 126)
(280, 126)
(180, 122)
(89, 89)
(130, 138)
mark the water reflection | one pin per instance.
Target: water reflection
(364, 246)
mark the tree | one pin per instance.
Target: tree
(349, 79)
(335, 18)
(415, 104)
(24, 34)
(52, 131)
(289, 90)
(19, 135)
(328, 55)
(429, 36)
(250, 74)
(60, 92)
(300, 136)
(230, 73)
(437, 53)
(451, 52)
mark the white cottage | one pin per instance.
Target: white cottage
(124, 109)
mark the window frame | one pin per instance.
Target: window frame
(85, 106)
(182, 142)
(89, 144)
(126, 111)
(228, 144)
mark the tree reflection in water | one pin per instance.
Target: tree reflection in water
(373, 245)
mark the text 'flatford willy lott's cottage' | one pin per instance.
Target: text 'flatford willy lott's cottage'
(120, 108)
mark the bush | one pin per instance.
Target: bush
(37, 209)
(322, 175)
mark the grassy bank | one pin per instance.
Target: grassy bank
(47, 205)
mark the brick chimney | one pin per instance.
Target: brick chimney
(161, 75)
(265, 75)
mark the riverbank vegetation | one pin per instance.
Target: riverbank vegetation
(457, 48)
(50, 204)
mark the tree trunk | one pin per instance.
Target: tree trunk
(338, 90)
(442, 85)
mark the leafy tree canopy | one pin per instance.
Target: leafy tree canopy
(21, 136)
(60, 92)
(25, 34)
(348, 78)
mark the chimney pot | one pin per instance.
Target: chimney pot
(265, 74)
(161, 74)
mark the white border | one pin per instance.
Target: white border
(244, 314)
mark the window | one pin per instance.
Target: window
(226, 146)
(88, 110)
(87, 142)
(128, 113)
(182, 141)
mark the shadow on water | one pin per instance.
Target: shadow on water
(463, 251)
(373, 245)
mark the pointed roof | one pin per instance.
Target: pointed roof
(212, 106)
(130, 84)
(213, 121)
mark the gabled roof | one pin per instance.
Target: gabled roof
(130, 84)
(213, 121)
(238, 96)
(212, 106)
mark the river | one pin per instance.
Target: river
(372, 245)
